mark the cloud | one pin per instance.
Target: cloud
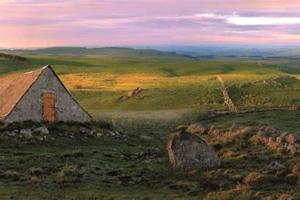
(262, 21)
(250, 20)
(28, 1)
(133, 22)
(211, 16)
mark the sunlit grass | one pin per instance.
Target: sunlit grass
(125, 82)
(169, 82)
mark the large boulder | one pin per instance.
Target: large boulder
(189, 151)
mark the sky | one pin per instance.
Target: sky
(45, 23)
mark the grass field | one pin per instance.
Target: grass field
(170, 81)
(178, 90)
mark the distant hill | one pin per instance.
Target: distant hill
(112, 52)
(234, 51)
(12, 57)
(163, 52)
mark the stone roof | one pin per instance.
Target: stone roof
(13, 88)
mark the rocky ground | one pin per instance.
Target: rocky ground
(262, 161)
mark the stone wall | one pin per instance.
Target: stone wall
(31, 105)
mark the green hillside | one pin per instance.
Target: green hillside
(99, 77)
(125, 157)
(106, 52)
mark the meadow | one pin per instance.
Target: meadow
(177, 90)
(169, 81)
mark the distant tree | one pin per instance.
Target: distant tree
(12, 57)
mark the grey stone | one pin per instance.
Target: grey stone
(43, 138)
(99, 134)
(12, 133)
(84, 130)
(41, 130)
(27, 133)
(91, 133)
(115, 134)
(189, 151)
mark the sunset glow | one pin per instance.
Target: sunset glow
(41, 23)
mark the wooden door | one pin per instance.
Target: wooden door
(49, 107)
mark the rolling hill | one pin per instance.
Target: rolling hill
(98, 77)
(109, 52)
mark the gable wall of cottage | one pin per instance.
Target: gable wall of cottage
(31, 105)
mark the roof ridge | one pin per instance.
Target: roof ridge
(42, 69)
(12, 89)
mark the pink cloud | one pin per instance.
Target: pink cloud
(33, 23)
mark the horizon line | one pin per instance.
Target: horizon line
(157, 46)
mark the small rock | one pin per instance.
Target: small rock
(12, 133)
(99, 134)
(41, 130)
(91, 133)
(115, 134)
(84, 130)
(27, 133)
(43, 138)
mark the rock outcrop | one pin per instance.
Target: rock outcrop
(132, 94)
(282, 142)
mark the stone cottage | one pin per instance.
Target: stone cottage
(38, 96)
